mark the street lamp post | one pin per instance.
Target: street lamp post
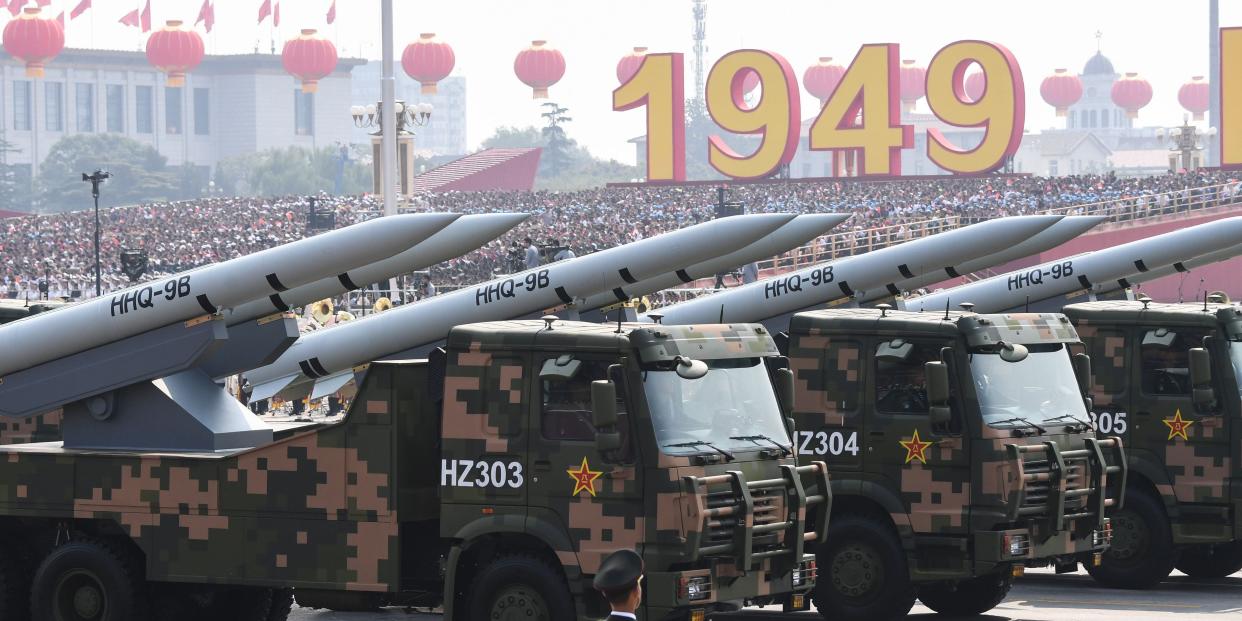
(403, 118)
(96, 178)
(1185, 147)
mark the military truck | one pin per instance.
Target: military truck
(960, 451)
(1166, 381)
(490, 480)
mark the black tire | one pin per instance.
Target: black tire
(176, 602)
(282, 605)
(241, 604)
(967, 598)
(87, 581)
(1215, 561)
(1142, 551)
(519, 587)
(862, 572)
(14, 587)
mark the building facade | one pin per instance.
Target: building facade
(445, 135)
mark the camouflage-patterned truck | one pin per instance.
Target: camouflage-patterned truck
(490, 480)
(1166, 381)
(960, 453)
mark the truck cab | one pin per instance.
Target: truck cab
(1166, 381)
(961, 453)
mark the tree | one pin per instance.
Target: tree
(556, 157)
(293, 170)
(14, 180)
(138, 173)
(579, 168)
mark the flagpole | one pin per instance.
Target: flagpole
(388, 146)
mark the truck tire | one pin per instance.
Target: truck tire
(86, 581)
(241, 604)
(1142, 553)
(282, 605)
(863, 574)
(1216, 561)
(519, 587)
(14, 590)
(967, 598)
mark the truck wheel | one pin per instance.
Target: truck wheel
(1215, 561)
(241, 604)
(86, 581)
(1141, 554)
(863, 573)
(519, 587)
(967, 598)
(282, 605)
(14, 590)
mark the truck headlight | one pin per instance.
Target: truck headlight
(698, 587)
(804, 573)
(1016, 545)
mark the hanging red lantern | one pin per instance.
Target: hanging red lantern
(175, 50)
(1131, 93)
(1061, 90)
(629, 64)
(539, 67)
(1193, 96)
(913, 79)
(976, 86)
(309, 58)
(34, 39)
(822, 78)
(428, 60)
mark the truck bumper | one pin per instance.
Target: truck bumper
(994, 549)
(684, 594)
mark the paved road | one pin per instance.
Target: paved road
(1039, 596)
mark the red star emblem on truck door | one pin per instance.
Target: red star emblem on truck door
(1178, 426)
(584, 478)
(915, 448)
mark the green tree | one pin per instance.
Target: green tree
(14, 180)
(139, 173)
(293, 170)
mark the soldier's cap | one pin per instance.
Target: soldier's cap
(620, 570)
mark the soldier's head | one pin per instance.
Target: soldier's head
(620, 580)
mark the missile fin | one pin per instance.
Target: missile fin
(331, 384)
(267, 390)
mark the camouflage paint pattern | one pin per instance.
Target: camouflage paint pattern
(41, 428)
(953, 492)
(1187, 455)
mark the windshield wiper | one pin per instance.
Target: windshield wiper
(785, 452)
(1080, 421)
(1019, 419)
(696, 443)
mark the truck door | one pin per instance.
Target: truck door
(929, 467)
(596, 499)
(1194, 445)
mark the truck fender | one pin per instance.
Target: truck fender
(880, 498)
(547, 533)
(547, 527)
(1147, 471)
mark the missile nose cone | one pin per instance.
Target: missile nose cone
(824, 222)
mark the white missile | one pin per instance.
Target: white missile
(1051, 237)
(1056, 278)
(1168, 270)
(855, 275)
(798, 232)
(206, 290)
(325, 353)
(458, 238)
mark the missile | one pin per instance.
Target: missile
(1063, 276)
(326, 353)
(1169, 270)
(1051, 237)
(207, 290)
(775, 297)
(458, 238)
(798, 232)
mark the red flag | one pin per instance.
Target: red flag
(15, 6)
(146, 17)
(332, 13)
(207, 16)
(276, 15)
(80, 9)
(131, 19)
(265, 10)
(43, 3)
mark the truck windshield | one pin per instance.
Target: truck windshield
(1027, 393)
(732, 408)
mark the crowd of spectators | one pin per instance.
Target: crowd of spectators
(180, 236)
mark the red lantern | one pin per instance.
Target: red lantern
(175, 50)
(1193, 96)
(629, 64)
(309, 58)
(822, 78)
(539, 67)
(34, 39)
(913, 80)
(1061, 90)
(1131, 93)
(428, 60)
(976, 86)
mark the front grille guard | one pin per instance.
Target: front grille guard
(740, 513)
(1053, 510)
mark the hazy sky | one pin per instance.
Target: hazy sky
(1165, 41)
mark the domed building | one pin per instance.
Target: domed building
(1096, 110)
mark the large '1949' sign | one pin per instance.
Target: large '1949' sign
(862, 115)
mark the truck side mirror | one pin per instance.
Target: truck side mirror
(603, 404)
(784, 384)
(1203, 394)
(1082, 372)
(938, 393)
